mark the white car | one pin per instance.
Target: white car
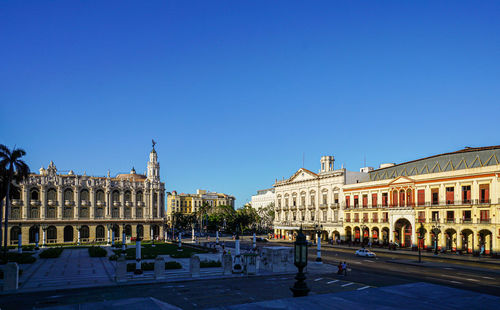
(365, 253)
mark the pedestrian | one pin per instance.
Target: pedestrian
(344, 268)
(339, 271)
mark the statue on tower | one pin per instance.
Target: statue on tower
(154, 143)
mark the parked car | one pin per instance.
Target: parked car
(259, 239)
(365, 253)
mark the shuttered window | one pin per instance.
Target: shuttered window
(421, 197)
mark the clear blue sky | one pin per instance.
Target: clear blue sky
(235, 92)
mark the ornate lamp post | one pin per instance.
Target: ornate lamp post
(20, 240)
(319, 230)
(37, 229)
(78, 229)
(300, 260)
(421, 233)
(108, 227)
(436, 229)
(138, 266)
(237, 268)
(254, 240)
(193, 237)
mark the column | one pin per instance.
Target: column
(459, 241)
(76, 214)
(413, 234)
(122, 204)
(60, 203)
(108, 203)
(43, 201)
(391, 229)
(151, 205)
(92, 203)
(24, 197)
(133, 209)
(475, 241)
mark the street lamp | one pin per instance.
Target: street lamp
(124, 238)
(237, 268)
(254, 243)
(300, 288)
(108, 226)
(421, 232)
(436, 229)
(44, 233)
(319, 230)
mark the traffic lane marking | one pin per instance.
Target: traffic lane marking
(330, 282)
(363, 288)
(347, 284)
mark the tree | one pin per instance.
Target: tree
(266, 215)
(14, 170)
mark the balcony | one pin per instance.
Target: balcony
(485, 201)
(35, 203)
(374, 220)
(466, 221)
(52, 203)
(100, 203)
(16, 202)
(15, 214)
(384, 221)
(485, 221)
(69, 203)
(140, 204)
(302, 207)
(34, 214)
(84, 203)
(128, 203)
(116, 204)
(99, 213)
(356, 220)
(68, 213)
(323, 206)
(311, 207)
(293, 207)
(51, 213)
(450, 221)
(334, 205)
(347, 220)
(84, 213)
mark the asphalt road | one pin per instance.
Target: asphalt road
(464, 275)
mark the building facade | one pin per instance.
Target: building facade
(312, 200)
(454, 197)
(264, 198)
(191, 203)
(70, 208)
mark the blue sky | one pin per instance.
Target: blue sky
(234, 92)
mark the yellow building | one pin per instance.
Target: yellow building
(456, 195)
(190, 203)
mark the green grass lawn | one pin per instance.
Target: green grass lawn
(149, 252)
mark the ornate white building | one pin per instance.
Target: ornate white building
(312, 200)
(70, 208)
(263, 198)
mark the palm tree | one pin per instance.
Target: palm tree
(14, 170)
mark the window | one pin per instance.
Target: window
(84, 195)
(324, 215)
(127, 196)
(365, 201)
(324, 199)
(100, 195)
(485, 216)
(51, 194)
(374, 200)
(466, 216)
(375, 217)
(450, 216)
(394, 198)
(435, 216)
(34, 195)
(313, 202)
(421, 216)
(294, 201)
(421, 197)
(450, 195)
(365, 217)
(435, 196)
(336, 198)
(348, 217)
(138, 196)
(484, 193)
(347, 201)
(303, 200)
(356, 201)
(385, 216)
(401, 198)
(466, 194)
(384, 199)
(356, 217)
(68, 194)
(115, 196)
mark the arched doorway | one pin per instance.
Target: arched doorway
(451, 239)
(324, 235)
(467, 240)
(51, 234)
(68, 234)
(32, 233)
(485, 241)
(366, 235)
(357, 234)
(140, 231)
(15, 231)
(128, 230)
(348, 234)
(156, 232)
(99, 233)
(336, 235)
(402, 232)
(375, 234)
(84, 233)
(385, 235)
(116, 232)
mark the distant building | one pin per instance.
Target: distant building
(71, 208)
(190, 203)
(263, 198)
(313, 200)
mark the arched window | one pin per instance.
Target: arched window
(99, 195)
(99, 232)
(15, 193)
(115, 196)
(84, 232)
(35, 195)
(139, 196)
(84, 195)
(68, 194)
(402, 198)
(127, 196)
(32, 233)
(52, 233)
(52, 194)
(14, 233)
(68, 233)
(128, 230)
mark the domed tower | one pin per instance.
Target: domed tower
(153, 165)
